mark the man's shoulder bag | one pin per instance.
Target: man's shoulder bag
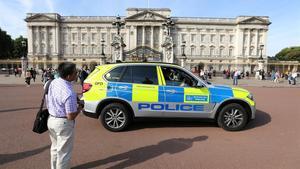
(40, 122)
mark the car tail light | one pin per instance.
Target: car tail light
(86, 87)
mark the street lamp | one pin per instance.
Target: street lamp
(102, 58)
(183, 56)
(261, 47)
(119, 24)
(168, 24)
(24, 60)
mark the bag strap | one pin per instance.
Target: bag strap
(46, 92)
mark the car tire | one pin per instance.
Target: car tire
(232, 117)
(115, 117)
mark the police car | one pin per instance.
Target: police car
(118, 93)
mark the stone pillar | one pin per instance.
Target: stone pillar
(239, 42)
(30, 41)
(256, 42)
(47, 40)
(38, 48)
(248, 41)
(151, 37)
(144, 38)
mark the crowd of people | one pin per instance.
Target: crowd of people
(49, 74)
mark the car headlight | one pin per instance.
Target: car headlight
(250, 96)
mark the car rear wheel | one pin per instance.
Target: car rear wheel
(232, 117)
(115, 117)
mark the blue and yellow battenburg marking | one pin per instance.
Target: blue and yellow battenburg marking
(168, 98)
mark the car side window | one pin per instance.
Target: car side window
(127, 75)
(177, 77)
(115, 74)
(144, 74)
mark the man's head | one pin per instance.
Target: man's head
(67, 71)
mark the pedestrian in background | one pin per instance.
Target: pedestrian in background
(294, 77)
(28, 78)
(236, 74)
(63, 109)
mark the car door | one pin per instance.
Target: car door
(182, 96)
(145, 91)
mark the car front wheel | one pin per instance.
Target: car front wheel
(232, 117)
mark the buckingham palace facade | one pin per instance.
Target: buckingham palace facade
(151, 34)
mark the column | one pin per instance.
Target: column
(128, 37)
(256, 42)
(161, 30)
(151, 37)
(248, 42)
(264, 41)
(78, 50)
(239, 42)
(143, 36)
(69, 35)
(57, 40)
(38, 40)
(30, 40)
(47, 40)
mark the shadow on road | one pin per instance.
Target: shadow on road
(170, 123)
(139, 155)
(261, 118)
(18, 109)
(6, 158)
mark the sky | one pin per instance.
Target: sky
(284, 14)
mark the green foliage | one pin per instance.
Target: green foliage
(6, 45)
(291, 54)
(10, 48)
(19, 49)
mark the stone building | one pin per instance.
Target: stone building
(151, 34)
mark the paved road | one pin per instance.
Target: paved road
(271, 141)
(216, 80)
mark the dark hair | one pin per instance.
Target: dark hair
(66, 68)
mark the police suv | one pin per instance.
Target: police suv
(118, 93)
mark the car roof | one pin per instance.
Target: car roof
(139, 63)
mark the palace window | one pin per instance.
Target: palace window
(192, 50)
(147, 35)
(222, 38)
(212, 38)
(202, 38)
(193, 38)
(83, 37)
(230, 51)
(221, 51)
(93, 37)
(231, 38)
(202, 48)
(211, 51)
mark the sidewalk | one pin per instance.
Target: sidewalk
(215, 80)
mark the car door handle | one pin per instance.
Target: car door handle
(171, 91)
(123, 87)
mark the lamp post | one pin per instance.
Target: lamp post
(24, 60)
(102, 57)
(261, 47)
(183, 56)
(168, 24)
(118, 23)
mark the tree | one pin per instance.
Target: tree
(291, 54)
(19, 49)
(6, 45)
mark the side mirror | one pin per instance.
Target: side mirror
(200, 85)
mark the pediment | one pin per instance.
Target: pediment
(254, 20)
(146, 15)
(39, 18)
